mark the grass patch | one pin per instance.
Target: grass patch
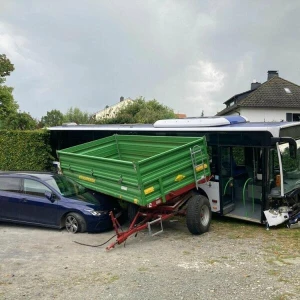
(285, 296)
(112, 278)
(270, 261)
(235, 229)
(143, 269)
(278, 243)
(273, 272)
(98, 277)
(283, 246)
(213, 261)
(281, 279)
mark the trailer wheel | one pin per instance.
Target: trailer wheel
(75, 223)
(198, 214)
(132, 210)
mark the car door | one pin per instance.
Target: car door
(10, 195)
(35, 207)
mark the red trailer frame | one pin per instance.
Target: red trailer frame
(147, 216)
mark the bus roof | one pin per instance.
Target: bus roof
(275, 128)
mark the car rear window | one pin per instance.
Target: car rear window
(9, 184)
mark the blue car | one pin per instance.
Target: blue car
(53, 200)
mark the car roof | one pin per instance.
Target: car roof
(26, 174)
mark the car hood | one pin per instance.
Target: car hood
(87, 199)
(78, 200)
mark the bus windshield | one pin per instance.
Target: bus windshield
(291, 167)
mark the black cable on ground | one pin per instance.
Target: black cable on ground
(95, 245)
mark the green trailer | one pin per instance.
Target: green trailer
(157, 176)
(143, 170)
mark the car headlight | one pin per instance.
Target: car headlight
(96, 212)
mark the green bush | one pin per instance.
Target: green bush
(25, 150)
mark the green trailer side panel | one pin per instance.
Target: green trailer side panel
(137, 169)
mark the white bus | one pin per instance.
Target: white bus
(255, 166)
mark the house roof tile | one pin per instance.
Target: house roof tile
(273, 94)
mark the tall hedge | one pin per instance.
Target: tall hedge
(25, 150)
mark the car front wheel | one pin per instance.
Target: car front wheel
(75, 223)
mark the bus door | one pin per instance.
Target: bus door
(257, 171)
(226, 180)
(241, 179)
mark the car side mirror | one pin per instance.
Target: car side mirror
(49, 196)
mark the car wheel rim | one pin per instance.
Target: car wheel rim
(204, 215)
(71, 224)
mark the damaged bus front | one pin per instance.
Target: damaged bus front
(285, 183)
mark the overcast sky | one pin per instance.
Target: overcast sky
(188, 55)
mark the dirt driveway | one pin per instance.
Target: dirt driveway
(233, 260)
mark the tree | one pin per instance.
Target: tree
(10, 118)
(5, 67)
(77, 116)
(141, 111)
(53, 118)
(20, 121)
(8, 106)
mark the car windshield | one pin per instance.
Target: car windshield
(291, 167)
(67, 187)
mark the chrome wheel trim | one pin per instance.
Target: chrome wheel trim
(204, 215)
(72, 224)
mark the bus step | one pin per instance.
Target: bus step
(158, 220)
(228, 208)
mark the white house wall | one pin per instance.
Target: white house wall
(110, 112)
(267, 114)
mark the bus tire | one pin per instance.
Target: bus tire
(198, 214)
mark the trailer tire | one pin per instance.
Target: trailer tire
(75, 223)
(198, 214)
(132, 210)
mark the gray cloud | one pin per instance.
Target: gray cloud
(189, 55)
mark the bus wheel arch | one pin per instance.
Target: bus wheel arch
(198, 214)
(200, 191)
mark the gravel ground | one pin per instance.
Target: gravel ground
(233, 260)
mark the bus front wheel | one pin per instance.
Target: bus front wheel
(198, 214)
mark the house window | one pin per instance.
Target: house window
(296, 117)
(287, 90)
(290, 117)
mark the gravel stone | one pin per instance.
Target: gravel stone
(47, 264)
